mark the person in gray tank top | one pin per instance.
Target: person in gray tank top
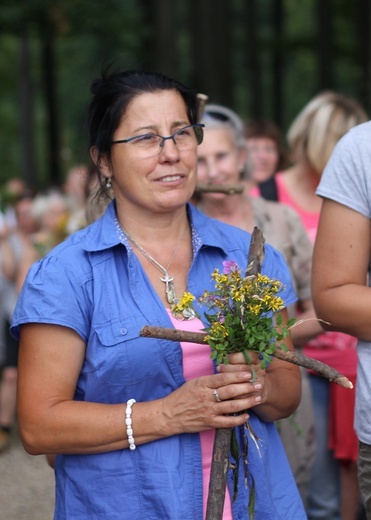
(341, 270)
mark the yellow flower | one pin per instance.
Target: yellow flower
(184, 303)
(255, 308)
(276, 304)
(217, 329)
(263, 279)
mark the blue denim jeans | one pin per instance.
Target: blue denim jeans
(364, 476)
(324, 487)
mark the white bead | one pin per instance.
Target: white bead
(129, 422)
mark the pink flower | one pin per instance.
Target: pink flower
(229, 265)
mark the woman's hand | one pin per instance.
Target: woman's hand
(211, 401)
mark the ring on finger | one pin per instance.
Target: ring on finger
(216, 395)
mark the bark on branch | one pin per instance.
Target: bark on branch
(289, 356)
(229, 189)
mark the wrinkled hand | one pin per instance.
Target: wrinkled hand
(194, 407)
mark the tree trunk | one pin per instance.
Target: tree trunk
(325, 45)
(210, 34)
(278, 63)
(50, 86)
(28, 169)
(163, 48)
(253, 61)
(364, 41)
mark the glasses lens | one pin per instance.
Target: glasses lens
(188, 137)
(147, 141)
(199, 131)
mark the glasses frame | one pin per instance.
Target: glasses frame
(197, 127)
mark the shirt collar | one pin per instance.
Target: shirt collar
(102, 234)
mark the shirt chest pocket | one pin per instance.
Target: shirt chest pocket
(121, 356)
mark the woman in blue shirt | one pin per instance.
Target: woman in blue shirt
(118, 409)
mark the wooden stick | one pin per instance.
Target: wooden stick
(229, 189)
(202, 100)
(256, 253)
(218, 474)
(289, 356)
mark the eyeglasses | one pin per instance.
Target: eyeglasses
(185, 138)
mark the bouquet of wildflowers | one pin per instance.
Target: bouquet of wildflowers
(240, 314)
(241, 319)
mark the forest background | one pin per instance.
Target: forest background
(263, 58)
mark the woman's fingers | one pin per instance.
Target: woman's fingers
(238, 358)
(258, 375)
(226, 393)
(203, 403)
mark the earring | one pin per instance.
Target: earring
(108, 183)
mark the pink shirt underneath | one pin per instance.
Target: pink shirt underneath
(309, 219)
(197, 363)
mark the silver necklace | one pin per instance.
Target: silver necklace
(168, 280)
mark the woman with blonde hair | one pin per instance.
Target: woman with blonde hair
(311, 139)
(319, 126)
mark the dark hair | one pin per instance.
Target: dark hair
(263, 128)
(112, 94)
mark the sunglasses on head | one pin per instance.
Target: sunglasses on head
(217, 115)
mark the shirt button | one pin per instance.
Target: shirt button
(123, 331)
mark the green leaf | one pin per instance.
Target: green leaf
(247, 357)
(253, 373)
(252, 499)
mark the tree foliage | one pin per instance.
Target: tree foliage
(263, 58)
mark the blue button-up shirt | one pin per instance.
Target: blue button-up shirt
(94, 284)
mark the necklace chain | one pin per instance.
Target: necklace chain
(167, 279)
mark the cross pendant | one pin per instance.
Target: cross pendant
(169, 287)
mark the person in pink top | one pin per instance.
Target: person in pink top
(266, 155)
(311, 138)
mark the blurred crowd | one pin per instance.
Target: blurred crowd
(279, 175)
(31, 224)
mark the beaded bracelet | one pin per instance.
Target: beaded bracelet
(129, 424)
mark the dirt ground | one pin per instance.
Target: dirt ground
(26, 485)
